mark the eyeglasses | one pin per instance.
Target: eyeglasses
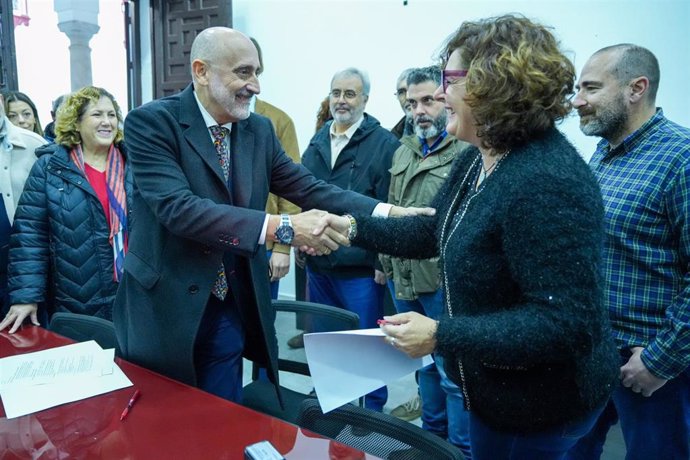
(400, 92)
(446, 76)
(348, 94)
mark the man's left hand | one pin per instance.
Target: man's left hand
(280, 265)
(636, 376)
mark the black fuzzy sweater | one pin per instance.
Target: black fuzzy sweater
(525, 334)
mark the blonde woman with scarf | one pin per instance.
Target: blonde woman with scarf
(70, 231)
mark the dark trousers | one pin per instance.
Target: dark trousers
(218, 349)
(553, 444)
(656, 427)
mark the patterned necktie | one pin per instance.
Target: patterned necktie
(219, 135)
(220, 286)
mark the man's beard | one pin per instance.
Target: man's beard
(227, 100)
(348, 118)
(607, 122)
(437, 126)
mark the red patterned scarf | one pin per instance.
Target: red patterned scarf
(117, 203)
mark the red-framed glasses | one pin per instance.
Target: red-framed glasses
(449, 77)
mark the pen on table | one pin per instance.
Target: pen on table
(131, 402)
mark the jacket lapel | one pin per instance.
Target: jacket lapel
(196, 133)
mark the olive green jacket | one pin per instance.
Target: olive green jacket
(285, 130)
(414, 182)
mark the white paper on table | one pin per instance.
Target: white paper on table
(346, 365)
(22, 399)
(74, 361)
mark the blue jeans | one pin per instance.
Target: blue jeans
(653, 427)
(359, 295)
(443, 410)
(553, 444)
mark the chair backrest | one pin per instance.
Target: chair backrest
(375, 433)
(295, 315)
(84, 327)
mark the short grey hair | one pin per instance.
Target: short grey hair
(403, 76)
(635, 61)
(424, 74)
(354, 72)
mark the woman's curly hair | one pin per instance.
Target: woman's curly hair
(518, 83)
(72, 109)
(324, 113)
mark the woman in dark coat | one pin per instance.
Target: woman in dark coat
(70, 231)
(519, 230)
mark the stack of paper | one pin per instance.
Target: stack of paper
(36, 381)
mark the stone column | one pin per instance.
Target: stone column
(78, 19)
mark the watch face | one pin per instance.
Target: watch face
(285, 234)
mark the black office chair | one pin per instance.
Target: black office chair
(260, 394)
(375, 433)
(83, 328)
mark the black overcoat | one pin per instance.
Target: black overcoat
(185, 218)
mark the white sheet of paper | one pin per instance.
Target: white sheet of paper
(28, 393)
(345, 365)
(77, 360)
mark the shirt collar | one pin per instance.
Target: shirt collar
(10, 136)
(350, 131)
(635, 138)
(208, 119)
(428, 149)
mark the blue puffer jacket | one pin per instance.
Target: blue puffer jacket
(59, 250)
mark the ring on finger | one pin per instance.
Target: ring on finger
(392, 341)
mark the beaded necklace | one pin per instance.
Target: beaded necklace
(444, 241)
(484, 173)
(451, 213)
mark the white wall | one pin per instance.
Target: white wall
(43, 65)
(305, 42)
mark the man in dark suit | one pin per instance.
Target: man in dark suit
(195, 296)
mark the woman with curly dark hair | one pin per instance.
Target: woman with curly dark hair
(519, 231)
(70, 228)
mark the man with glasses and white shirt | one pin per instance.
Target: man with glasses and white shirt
(353, 152)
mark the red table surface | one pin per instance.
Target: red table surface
(170, 420)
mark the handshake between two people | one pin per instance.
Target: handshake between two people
(319, 233)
